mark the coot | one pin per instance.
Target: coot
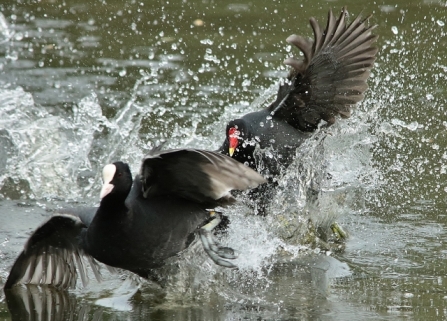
(325, 84)
(138, 224)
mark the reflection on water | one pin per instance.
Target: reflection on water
(39, 303)
(297, 289)
(85, 83)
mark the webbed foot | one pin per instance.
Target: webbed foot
(339, 232)
(217, 253)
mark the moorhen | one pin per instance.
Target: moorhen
(325, 84)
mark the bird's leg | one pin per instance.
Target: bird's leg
(215, 252)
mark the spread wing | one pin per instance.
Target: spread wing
(52, 255)
(198, 175)
(331, 77)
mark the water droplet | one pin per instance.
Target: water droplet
(394, 30)
(198, 22)
(440, 23)
(206, 42)
(18, 36)
(12, 56)
(413, 126)
(122, 73)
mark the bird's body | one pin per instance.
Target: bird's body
(278, 136)
(325, 84)
(167, 231)
(139, 224)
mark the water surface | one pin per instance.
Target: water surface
(85, 83)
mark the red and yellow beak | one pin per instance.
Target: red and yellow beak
(233, 139)
(231, 149)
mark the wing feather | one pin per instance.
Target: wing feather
(52, 255)
(331, 77)
(198, 175)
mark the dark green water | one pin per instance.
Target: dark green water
(83, 83)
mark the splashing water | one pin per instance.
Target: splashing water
(51, 156)
(332, 170)
(44, 151)
(5, 32)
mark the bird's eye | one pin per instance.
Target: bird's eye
(120, 174)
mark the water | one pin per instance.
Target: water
(84, 84)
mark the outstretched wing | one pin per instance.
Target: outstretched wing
(52, 254)
(198, 175)
(331, 77)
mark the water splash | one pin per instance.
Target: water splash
(5, 32)
(43, 151)
(83, 142)
(331, 170)
(50, 156)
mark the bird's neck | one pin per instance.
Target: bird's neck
(113, 205)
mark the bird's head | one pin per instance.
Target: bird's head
(117, 180)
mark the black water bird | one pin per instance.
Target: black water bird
(326, 83)
(139, 224)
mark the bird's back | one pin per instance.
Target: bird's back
(276, 134)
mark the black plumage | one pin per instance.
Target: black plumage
(323, 85)
(139, 224)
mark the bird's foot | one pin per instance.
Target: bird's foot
(339, 232)
(219, 254)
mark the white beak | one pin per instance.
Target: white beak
(107, 175)
(106, 189)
